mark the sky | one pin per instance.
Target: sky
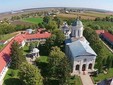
(8, 5)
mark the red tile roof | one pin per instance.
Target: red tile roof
(5, 56)
(38, 35)
(5, 53)
(108, 36)
(99, 31)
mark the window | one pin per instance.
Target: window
(77, 67)
(79, 33)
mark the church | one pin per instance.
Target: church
(77, 48)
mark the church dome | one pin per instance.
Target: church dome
(77, 23)
(35, 50)
(65, 25)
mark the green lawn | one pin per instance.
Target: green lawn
(103, 76)
(11, 78)
(26, 50)
(43, 59)
(7, 36)
(33, 20)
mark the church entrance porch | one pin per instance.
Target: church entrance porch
(83, 67)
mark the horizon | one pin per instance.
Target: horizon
(14, 5)
(55, 7)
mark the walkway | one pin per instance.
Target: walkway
(86, 79)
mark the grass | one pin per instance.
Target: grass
(43, 59)
(7, 36)
(33, 20)
(75, 80)
(2, 46)
(103, 76)
(26, 49)
(11, 78)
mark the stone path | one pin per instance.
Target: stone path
(1, 82)
(86, 79)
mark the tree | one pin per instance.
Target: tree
(97, 19)
(59, 21)
(16, 55)
(46, 19)
(63, 71)
(41, 25)
(52, 25)
(6, 28)
(50, 42)
(59, 66)
(56, 39)
(55, 57)
(59, 37)
(30, 75)
(109, 61)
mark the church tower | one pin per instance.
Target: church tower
(77, 29)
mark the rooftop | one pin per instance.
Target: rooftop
(80, 47)
(5, 52)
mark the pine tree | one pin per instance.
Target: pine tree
(16, 55)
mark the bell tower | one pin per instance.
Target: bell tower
(77, 29)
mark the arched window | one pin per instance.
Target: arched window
(77, 67)
(78, 33)
(83, 67)
(90, 66)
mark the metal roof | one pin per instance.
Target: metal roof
(79, 47)
(77, 23)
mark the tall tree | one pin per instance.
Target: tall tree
(59, 21)
(30, 75)
(63, 71)
(56, 39)
(59, 37)
(55, 57)
(52, 25)
(16, 55)
(59, 66)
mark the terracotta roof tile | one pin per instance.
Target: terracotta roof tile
(5, 53)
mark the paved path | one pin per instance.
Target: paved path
(86, 79)
(1, 82)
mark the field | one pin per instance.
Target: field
(33, 20)
(7, 36)
(103, 76)
(84, 15)
(20, 22)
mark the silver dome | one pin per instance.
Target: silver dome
(77, 23)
